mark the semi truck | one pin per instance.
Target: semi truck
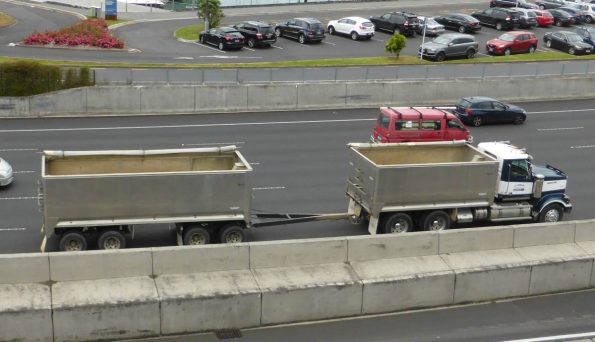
(429, 186)
(205, 194)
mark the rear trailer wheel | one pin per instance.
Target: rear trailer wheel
(436, 220)
(196, 236)
(398, 223)
(72, 242)
(551, 213)
(111, 239)
(232, 233)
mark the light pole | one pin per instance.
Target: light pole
(423, 39)
(206, 15)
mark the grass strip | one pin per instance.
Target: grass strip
(189, 32)
(6, 20)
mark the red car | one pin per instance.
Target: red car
(512, 42)
(544, 18)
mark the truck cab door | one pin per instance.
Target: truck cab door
(516, 180)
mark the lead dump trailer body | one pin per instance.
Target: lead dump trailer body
(419, 176)
(102, 188)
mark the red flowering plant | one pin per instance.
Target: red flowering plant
(85, 33)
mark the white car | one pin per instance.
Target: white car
(355, 27)
(587, 9)
(5, 173)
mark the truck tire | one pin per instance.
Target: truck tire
(111, 239)
(398, 223)
(73, 241)
(194, 235)
(436, 220)
(551, 213)
(232, 233)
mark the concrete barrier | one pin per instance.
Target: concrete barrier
(565, 275)
(196, 259)
(387, 246)
(297, 252)
(543, 234)
(584, 230)
(478, 239)
(233, 97)
(67, 266)
(25, 312)
(24, 268)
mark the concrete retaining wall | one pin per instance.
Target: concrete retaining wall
(160, 99)
(111, 295)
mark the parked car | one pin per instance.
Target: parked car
(528, 18)
(459, 22)
(257, 33)
(550, 4)
(404, 23)
(303, 29)
(577, 15)
(587, 33)
(513, 3)
(481, 110)
(408, 124)
(561, 18)
(432, 27)
(512, 42)
(449, 45)
(355, 27)
(500, 18)
(544, 18)
(567, 41)
(222, 37)
(6, 176)
(588, 11)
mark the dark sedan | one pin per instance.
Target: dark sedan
(561, 18)
(222, 37)
(577, 15)
(459, 22)
(549, 4)
(479, 110)
(568, 41)
(587, 33)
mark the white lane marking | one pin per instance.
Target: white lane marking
(277, 47)
(249, 49)
(188, 58)
(24, 171)
(17, 149)
(563, 111)
(554, 338)
(208, 47)
(559, 129)
(18, 198)
(217, 143)
(270, 188)
(12, 229)
(257, 163)
(584, 146)
(333, 44)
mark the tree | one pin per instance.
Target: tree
(211, 11)
(395, 44)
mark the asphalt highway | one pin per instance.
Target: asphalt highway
(299, 159)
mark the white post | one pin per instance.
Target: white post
(423, 38)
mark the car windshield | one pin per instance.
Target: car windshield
(574, 38)
(266, 29)
(442, 40)
(468, 18)
(507, 37)
(315, 26)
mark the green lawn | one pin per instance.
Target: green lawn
(6, 20)
(189, 32)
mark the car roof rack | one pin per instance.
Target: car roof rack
(397, 112)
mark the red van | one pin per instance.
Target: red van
(405, 124)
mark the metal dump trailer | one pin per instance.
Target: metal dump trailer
(203, 193)
(413, 180)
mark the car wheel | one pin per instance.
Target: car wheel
(220, 46)
(440, 57)
(202, 39)
(470, 53)
(518, 120)
(589, 19)
(499, 26)
(542, 7)
(548, 43)
(278, 32)
(251, 42)
(571, 51)
(331, 30)
(302, 39)
(532, 49)
(354, 35)
(477, 121)
(462, 29)
(558, 23)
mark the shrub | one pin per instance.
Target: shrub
(395, 44)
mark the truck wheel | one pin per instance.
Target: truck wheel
(72, 242)
(111, 239)
(436, 220)
(232, 233)
(551, 213)
(398, 223)
(196, 236)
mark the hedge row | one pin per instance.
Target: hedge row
(26, 78)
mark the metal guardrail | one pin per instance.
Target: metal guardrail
(335, 74)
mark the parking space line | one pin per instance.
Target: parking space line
(277, 47)
(12, 229)
(18, 149)
(377, 40)
(249, 49)
(270, 188)
(333, 44)
(208, 47)
(583, 146)
(24, 171)
(558, 129)
(18, 198)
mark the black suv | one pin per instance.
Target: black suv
(257, 33)
(397, 22)
(303, 29)
(500, 18)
